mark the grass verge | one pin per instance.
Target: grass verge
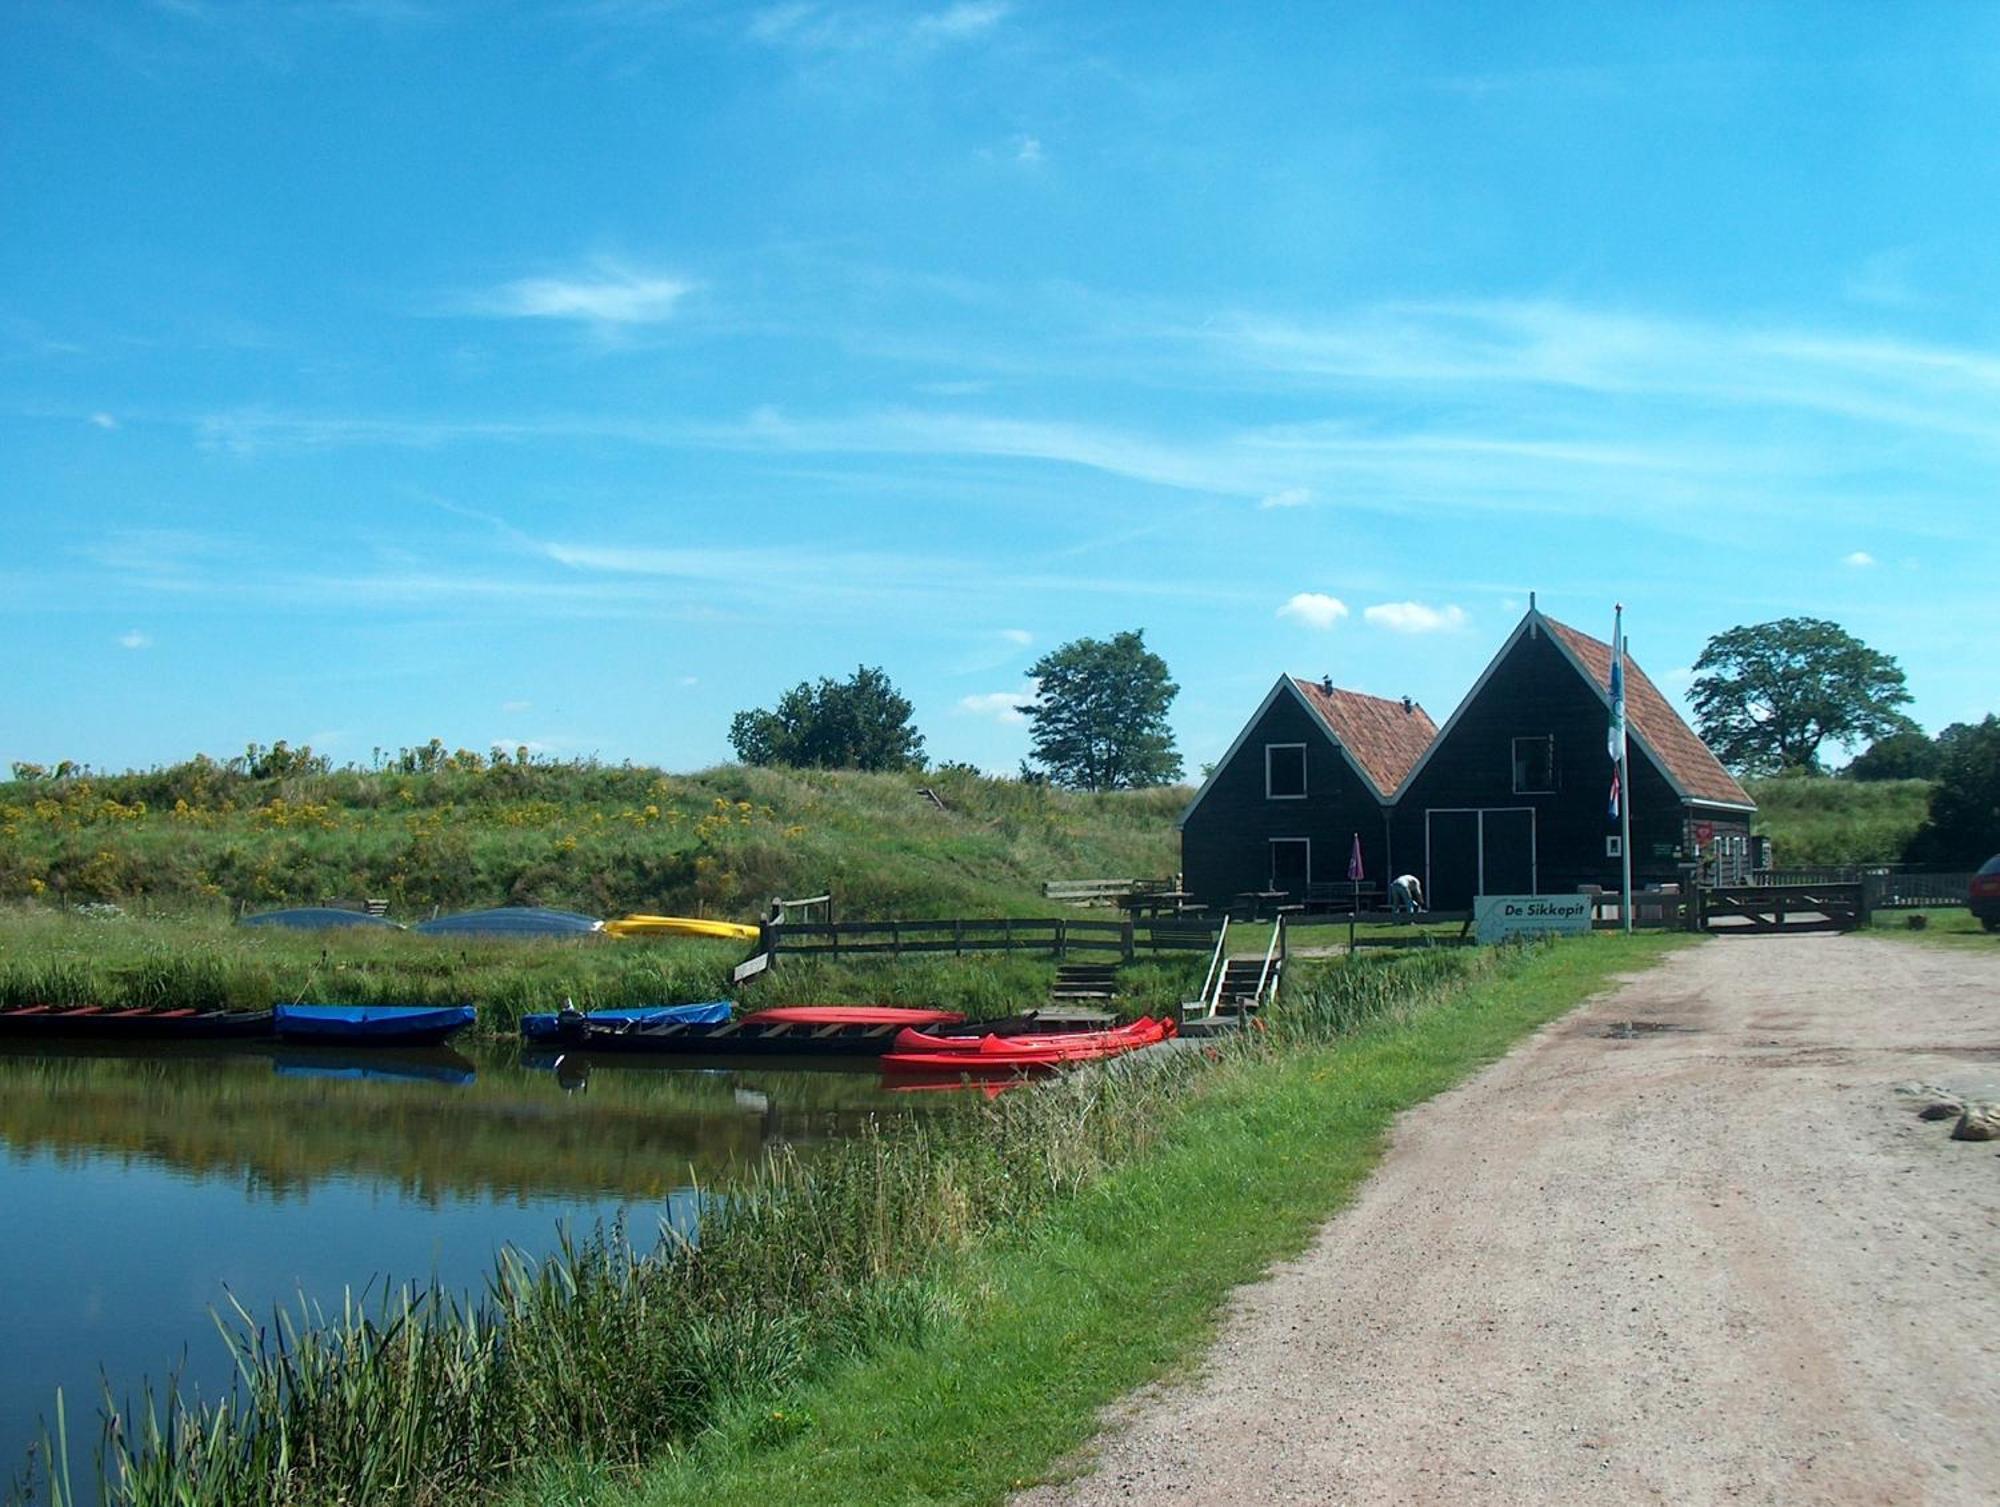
(1944, 926)
(1123, 1283)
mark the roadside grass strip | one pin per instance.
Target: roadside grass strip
(1123, 1284)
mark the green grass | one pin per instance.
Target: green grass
(603, 839)
(1945, 926)
(1816, 821)
(1118, 1287)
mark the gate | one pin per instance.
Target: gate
(1766, 909)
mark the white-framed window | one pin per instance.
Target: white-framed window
(1285, 771)
(1614, 847)
(1534, 766)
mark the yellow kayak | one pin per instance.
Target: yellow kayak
(680, 926)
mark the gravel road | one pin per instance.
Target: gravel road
(1711, 1255)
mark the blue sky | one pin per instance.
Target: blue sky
(579, 374)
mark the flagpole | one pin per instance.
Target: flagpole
(1624, 793)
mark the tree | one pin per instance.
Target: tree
(1900, 756)
(1099, 717)
(1767, 697)
(1963, 828)
(859, 723)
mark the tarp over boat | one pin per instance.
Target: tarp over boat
(855, 1015)
(400, 1025)
(317, 918)
(512, 921)
(558, 1025)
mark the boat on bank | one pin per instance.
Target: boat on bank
(922, 1052)
(373, 1025)
(682, 926)
(784, 1031)
(566, 1026)
(132, 1023)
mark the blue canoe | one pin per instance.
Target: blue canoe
(567, 1025)
(372, 1025)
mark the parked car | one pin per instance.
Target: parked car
(1985, 894)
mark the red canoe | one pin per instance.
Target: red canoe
(915, 1051)
(853, 1015)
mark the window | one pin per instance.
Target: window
(1285, 771)
(1614, 847)
(1534, 766)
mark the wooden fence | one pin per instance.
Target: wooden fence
(1056, 935)
(1888, 886)
(1761, 909)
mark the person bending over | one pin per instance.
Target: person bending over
(1406, 894)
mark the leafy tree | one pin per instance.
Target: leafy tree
(859, 723)
(1099, 718)
(1963, 828)
(1900, 756)
(1767, 697)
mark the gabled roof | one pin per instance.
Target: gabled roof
(1386, 738)
(1686, 761)
(1650, 720)
(1379, 739)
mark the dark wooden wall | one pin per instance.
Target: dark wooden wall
(1224, 845)
(1535, 692)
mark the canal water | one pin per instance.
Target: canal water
(140, 1194)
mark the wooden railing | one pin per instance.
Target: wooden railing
(1056, 935)
(1765, 908)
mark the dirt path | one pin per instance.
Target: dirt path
(1723, 1262)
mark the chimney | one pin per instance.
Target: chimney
(1408, 706)
(1326, 684)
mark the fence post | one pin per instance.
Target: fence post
(958, 937)
(1062, 937)
(1128, 940)
(895, 939)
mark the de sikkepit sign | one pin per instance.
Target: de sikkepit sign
(1498, 917)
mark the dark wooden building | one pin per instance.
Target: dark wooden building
(1513, 795)
(1315, 768)
(1510, 797)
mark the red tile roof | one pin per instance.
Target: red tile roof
(1653, 718)
(1384, 737)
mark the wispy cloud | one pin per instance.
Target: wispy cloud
(513, 708)
(1315, 609)
(1020, 636)
(807, 26)
(605, 294)
(1028, 149)
(103, 421)
(1860, 559)
(1001, 706)
(1414, 617)
(134, 639)
(968, 18)
(1290, 497)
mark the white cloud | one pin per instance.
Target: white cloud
(1019, 636)
(1290, 497)
(104, 421)
(1002, 706)
(134, 639)
(1414, 617)
(1315, 609)
(1860, 559)
(517, 706)
(605, 294)
(690, 680)
(968, 18)
(1028, 149)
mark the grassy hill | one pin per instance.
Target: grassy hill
(602, 839)
(1814, 820)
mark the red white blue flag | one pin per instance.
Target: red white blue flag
(1615, 792)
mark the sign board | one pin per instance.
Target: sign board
(1498, 917)
(1704, 833)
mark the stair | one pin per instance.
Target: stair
(1084, 984)
(1239, 982)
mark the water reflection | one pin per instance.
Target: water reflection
(141, 1189)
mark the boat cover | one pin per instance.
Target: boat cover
(853, 1015)
(549, 1025)
(372, 1022)
(316, 918)
(681, 926)
(512, 921)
